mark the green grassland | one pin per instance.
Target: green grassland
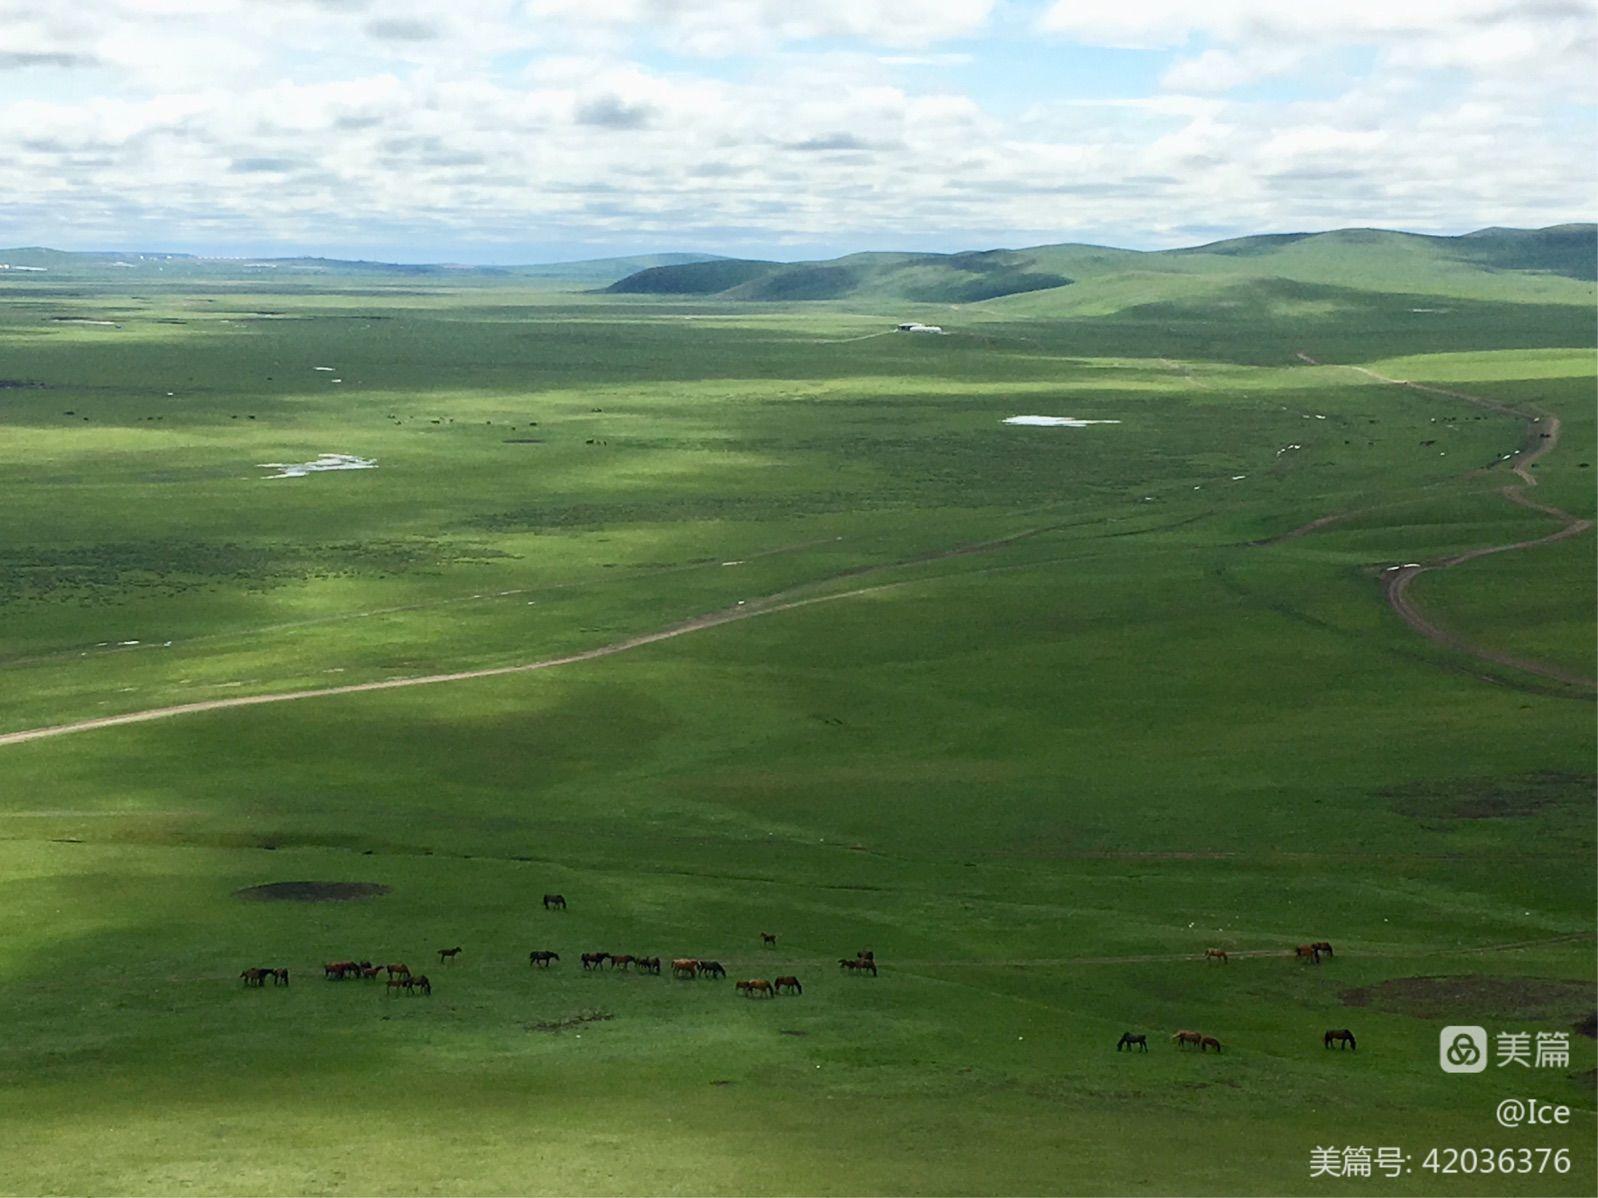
(1038, 714)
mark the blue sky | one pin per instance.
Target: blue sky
(535, 130)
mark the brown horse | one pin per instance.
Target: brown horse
(1185, 1037)
(335, 970)
(554, 902)
(448, 954)
(1216, 954)
(1308, 952)
(858, 965)
(255, 977)
(684, 967)
(1209, 1042)
(754, 986)
(768, 939)
(1324, 947)
(647, 964)
(542, 957)
(419, 984)
(1342, 1037)
(622, 961)
(370, 971)
(396, 983)
(712, 969)
(398, 970)
(1131, 1043)
(594, 960)
(280, 977)
(790, 984)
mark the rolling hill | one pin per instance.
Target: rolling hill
(1555, 264)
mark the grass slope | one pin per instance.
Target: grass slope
(1055, 722)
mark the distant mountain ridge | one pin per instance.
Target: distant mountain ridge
(594, 272)
(1278, 271)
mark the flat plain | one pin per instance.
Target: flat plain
(1037, 714)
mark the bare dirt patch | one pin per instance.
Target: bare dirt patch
(571, 1021)
(1553, 1000)
(312, 892)
(1494, 798)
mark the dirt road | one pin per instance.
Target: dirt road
(786, 600)
(1541, 438)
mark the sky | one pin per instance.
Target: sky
(546, 130)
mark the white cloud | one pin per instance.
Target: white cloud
(326, 121)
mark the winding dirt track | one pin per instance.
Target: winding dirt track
(697, 624)
(1542, 437)
(786, 600)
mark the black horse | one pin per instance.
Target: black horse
(555, 902)
(542, 956)
(1131, 1043)
(1342, 1037)
(711, 969)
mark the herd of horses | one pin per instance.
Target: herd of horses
(1311, 953)
(400, 979)
(1134, 1041)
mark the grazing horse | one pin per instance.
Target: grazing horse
(280, 977)
(335, 970)
(594, 960)
(712, 969)
(419, 983)
(622, 961)
(398, 970)
(448, 954)
(542, 957)
(1308, 952)
(754, 986)
(1209, 1042)
(370, 971)
(768, 939)
(255, 977)
(1342, 1037)
(859, 965)
(684, 967)
(647, 964)
(1131, 1043)
(1216, 954)
(554, 902)
(789, 983)
(1186, 1037)
(397, 983)
(1324, 947)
